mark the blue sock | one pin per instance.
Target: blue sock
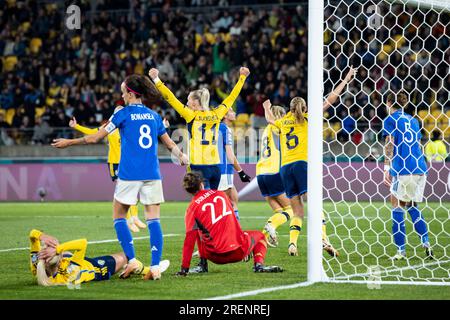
(236, 213)
(398, 228)
(124, 237)
(419, 225)
(156, 240)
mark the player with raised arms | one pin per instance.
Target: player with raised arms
(203, 125)
(228, 161)
(139, 173)
(293, 132)
(56, 264)
(211, 223)
(405, 172)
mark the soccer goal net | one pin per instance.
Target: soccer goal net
(395, 46)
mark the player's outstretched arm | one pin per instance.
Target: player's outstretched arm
(270, 118)
(226, 104)
(338, 90)
(237, 166)
(173, 148)
(88, 139)
(187, 113)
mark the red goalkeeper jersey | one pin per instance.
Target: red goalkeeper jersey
(210, 217)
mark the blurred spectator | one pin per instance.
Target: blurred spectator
(41, 132)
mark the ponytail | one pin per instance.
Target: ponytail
(41, 275)
(298, 107)
(277, 111)
(141, 86)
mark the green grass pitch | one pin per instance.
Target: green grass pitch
(68, 221)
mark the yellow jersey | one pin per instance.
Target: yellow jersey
(436, 151)
(73, 268)
(269, 160)
(113, 142)
(293, 139)
(203, 126)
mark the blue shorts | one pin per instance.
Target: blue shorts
(113, 169)
(211, 175)
(270, 185)
(294, 176)
(105, 266)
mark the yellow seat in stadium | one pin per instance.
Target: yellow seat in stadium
(35, 45)
(9, 63)
(9, 115)
(422, 114)
(39, 112)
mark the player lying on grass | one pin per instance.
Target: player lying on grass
(61, 264)
(211, 223)
(405, 172)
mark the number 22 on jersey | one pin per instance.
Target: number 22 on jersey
(214, 217)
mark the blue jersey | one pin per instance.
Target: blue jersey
(408, 156)
(225, 138)
(139, 129)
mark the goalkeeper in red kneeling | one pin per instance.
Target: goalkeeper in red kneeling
(211, 223)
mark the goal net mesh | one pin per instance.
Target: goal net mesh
(396, 45)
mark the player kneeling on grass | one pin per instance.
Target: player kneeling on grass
(62, 264)
(211, 223)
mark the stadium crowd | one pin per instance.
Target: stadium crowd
(50, 73)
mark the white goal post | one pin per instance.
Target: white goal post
(393, 52)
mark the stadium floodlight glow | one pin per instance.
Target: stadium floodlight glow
(397, 45)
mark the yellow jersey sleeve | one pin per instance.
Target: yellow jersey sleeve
(114, 147)
(184, 111)
(35, 247)
(269, 160)
(78, 246)
(278, 123)
(228, 102)
(85, 130)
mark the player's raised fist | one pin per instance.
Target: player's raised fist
(153, 73)
(267, 104)
(244, 71)
(73, 122)
(351, 73)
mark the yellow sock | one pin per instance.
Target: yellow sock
(133, 211)
(278, 218)
(295, 228)
(324, 228)
(289, 211)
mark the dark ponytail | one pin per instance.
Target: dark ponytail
(141, 86)
(192, 182)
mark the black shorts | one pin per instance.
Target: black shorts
(270, 185)
(105, 266)
(295, 178)
(211, 175)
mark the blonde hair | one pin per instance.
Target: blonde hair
(298, 108)
(277, 111)
(202, 95)
(41, 275)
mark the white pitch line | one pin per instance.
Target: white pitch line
(416, 266)
(259, 291)
(94, 242)
(410, 283)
